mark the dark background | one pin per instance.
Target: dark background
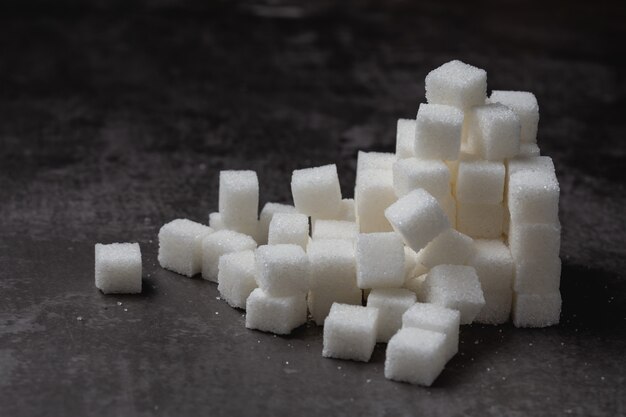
(116, 117)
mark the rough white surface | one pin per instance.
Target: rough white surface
(493, 264)
(289, 228)
(438, 132)
(391, 304)
(524, 105)
(316, 191)
(219, 243)
(347, 210)
(215, 221)
(236, 277)
(350, 332)
(541, 276)
(180, 246)
(533, 197)
(536, 310)
(379, 260)
(480, 182)
(118, 268)
(374, 160)
(436, 318)
(282, 270)
(239, 201)
(373, 194)
(493, 132)
(458, 84)
(450, 247)
(497, 308)
(480, 221)
(279, 315)
(412, 173)
(536, 242)
(269, 209)
(334, 229)
(405, 138)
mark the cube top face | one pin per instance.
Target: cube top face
(242, 261)
(462, 278)
(374, 272)
(316, 191)
(518, 101)
(456, 84)
(435, 316)
(391, 297)
(229, 241)
(375, 178)
(494, 132)
(184, 228)
(269, 209)
(480, 182)
(374, 160)
(290, 221)
(412, 173)
(121, 254)
(239, 181)
(405, 136)
(418, 340)
(284, 254)
(433, 115)
(352, 315)
(534, 164)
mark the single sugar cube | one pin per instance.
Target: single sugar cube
(524, 105)
(416, 356)
(497, 308)
(450, 247)
(535, 241)
(332, 264)
(289, 228)
(438, 132)
(456, 287)
(379, 260)
(438, 319)
(236, 277)
(391, 304)
(534, 163)
(457, 84)
(350, 332)
(269, 209)
(374, 160)
(536, 310)
(493, 264)
(278, 315)
(347, 210)
(282, 269)
(537, 276)
(239, 201)
(320, 300)
(533, 197)
(316, 191)
(180, 246)
(418, 218)
(118, 268)
(412, 173)
(218, 244)
(480, 182)
(373, 194)
(215, 221)
(405, 138)
(334, 229)
(480, 221)
(493, 132)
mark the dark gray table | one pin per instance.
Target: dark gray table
(117, 117)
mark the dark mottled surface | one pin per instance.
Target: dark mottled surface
(117, 117)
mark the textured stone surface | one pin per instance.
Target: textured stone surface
(117, 118)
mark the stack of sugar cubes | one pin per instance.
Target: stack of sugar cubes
(459, 225)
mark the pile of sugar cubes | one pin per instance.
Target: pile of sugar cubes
(459, 225)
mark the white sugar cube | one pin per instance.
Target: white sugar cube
(497, 308)
(480, 221)
(269, 209)
(180, 246)
(334, 229)
(289, 228)
(215, 221)
(118, 268)
(282, 269)
(236, 277)
(350, 332)
(456, 287)
(316, 191)
(493, 132)
(239, 201)
(347, 210)
(438, 132)
(391, 304)
(418, 218)
(412, 173)
(480, 182)
(374, 160)
(379, 260)
(524, 105)
(279, 315)
(535, 163)
(533, 197)
(405, 138)
(533, 276)
(457, 84)
(535, 241)
(372, 195)
(218, 244)
(450, 247)
(536, 310)
(320, 300)
(416, 356)
(493, 264)
(332, 264)
(438, 319)
(529, 150)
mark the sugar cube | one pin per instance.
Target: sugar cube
(438, 132)
(279, 315)
(350, 332)
(332, 264)
(537, 276)
(239, 201)
(374, 160)
(218, 244)
(269, 209)
(534, 163)
(438, 319)
(236, 277)
(458, 84)
(493, 132)
(316, 191)
(480, 221)
(456, 287)
(379, 260)
(391, 304)
(282, 269)
(405, 138)
(524, 105)
(412, 173)
(480, 182)
(536, 310)
(418, 218)
(450, 247)
(180, 246)
(372, 195)
(334, 229)
(118, 268)
(416, 356)
(289, 228)
(535, 241)
(497, 308)
(533, 197)
(215, 221)
(493, 264)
